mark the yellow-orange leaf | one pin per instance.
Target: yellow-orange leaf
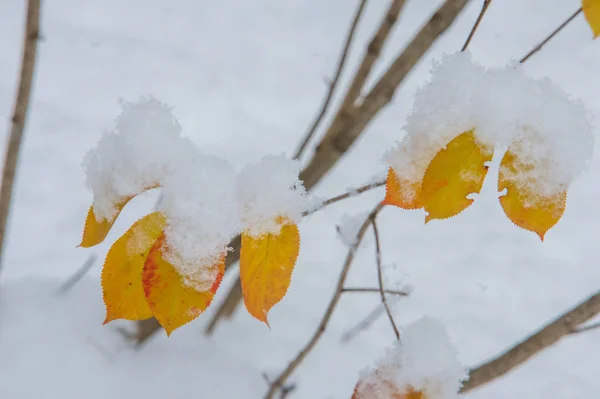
(172, 302)
(591, 10)
(455, 172)
(266, 265)
(525, 208)
(401, 193)
(94, 231)
(122, 271)
(382, 388)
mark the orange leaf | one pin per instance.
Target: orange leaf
(523, 207)
(455, 172)
(122, 271)
(266, 265)
(174, 303)
(94, 231)
(591, 10)
(380, 388)
(401, 193)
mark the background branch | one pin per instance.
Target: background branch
(32, 32)
(338, 72)
(486, 4)
(564, 325)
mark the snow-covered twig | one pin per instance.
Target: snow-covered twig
(32, 28)
(280, 380)
(547, 336)
(340, 66)
(486, 4)
(380, 276)
(539, 46)
(347, 194)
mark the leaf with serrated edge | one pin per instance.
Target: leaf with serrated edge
(122, 288)
(525, 209)
(266, 266)
(455, 172)
(379, 387)
(94, 231)
(401, 193)
(172, 302)
(591, 10)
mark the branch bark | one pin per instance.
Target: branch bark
(547, 336)
(486, 4)
(350, 37)
(32, 27)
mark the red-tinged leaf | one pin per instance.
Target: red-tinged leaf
(401, 193)
(455, 172)
(525, 208)
(173, 302)
(266, 266)
(122, 271)
(378, 387)
(95, 231)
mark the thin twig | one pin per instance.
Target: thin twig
(547, 336)
(338, 72)
(486, 4)
(32, 28)
(78, 275)
(348, 194)
(547, 39)
(280, 380)
(372, 55)
(391, 292)
(380, 276)
(593, 326)
(363, 324)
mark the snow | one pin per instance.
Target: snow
(549, 133)
(424, 360)
(270, 194)
(244, 80)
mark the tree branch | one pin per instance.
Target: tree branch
(340, 67)
(591, 327)
(486, 4)
(360, 289)
(19, 118)
(562, 326)
(280, 380)
(539, 46)
(380, 277)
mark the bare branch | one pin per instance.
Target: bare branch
(486, 4)
(280, 380)
(364, 323)
(32, 28)
(371, 56)
(78, 275)
(345, 129)
(591, 327)
(547, 336)
(391, 292)
(380, 277)
(227, 308)
(348, 194)
(338, 72)
(539, 46)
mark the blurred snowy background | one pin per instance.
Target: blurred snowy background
(245, 79)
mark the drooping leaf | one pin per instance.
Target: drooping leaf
(401, 193)
(591, 10)
(266, 266)
(94, 231)
(379, 388)
(455, 172)
(122, 271)
(173, 302)
(525, 208)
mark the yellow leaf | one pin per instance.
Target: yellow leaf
(401, 193)
(523, 207)
(378, 388)
(455, 172)
(591, 10)
(174, 303)
(122, 271)
(266, 265)
(94, 231)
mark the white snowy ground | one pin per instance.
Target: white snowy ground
(245, 78)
